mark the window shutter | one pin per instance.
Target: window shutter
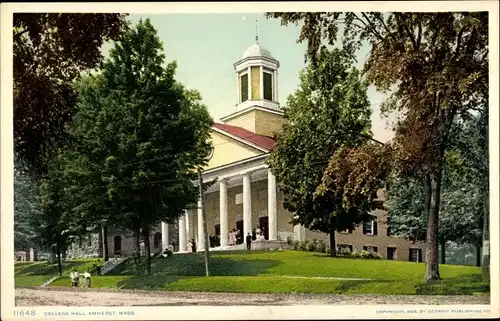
(375, 228)
(419, 255)
(364, 227)
(409, 255)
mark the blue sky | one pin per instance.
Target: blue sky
(206, 46)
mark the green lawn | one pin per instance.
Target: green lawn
(36, 273)
(31, 280)
(46, 268)
(289, 272)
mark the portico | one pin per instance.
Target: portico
(245, 179)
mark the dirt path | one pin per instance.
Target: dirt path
(95, 297)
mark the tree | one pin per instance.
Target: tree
(54, 226)
(26, 208)
(51, 50)
(433, 65)
(143, 133)
(461, 214)
(329, 110)
(472, 144)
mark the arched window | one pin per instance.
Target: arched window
(118, 245)
(157, 240)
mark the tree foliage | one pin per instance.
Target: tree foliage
(461, 215)
(434, 66)
(26, 208)
(51, 50)
(329, 110)
(141, 135)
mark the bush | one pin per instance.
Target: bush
(311, 246)
(327, 250)
(303, 245)
(321, 247)
(289, 240)
(296, 245)
(345, 251)
(367, 255)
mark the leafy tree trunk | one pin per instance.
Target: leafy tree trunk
(138, 244)
(432, 268)
(147, 250)
(443, 251)
(105, 243)
(478, 254)
(59, 264)
(486, 229)
(333, 247)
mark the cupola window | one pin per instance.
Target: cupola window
(268, 86)
(244, 87)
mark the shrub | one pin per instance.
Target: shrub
(296, 245)
(327, 250)
(321, 247)
(367, 255)
(303, 245)
(345, 251)
(311, 246)
(289, 240)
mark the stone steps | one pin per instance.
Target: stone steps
(111, 264)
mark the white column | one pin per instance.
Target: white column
(182, 233)
(224, 232)
(249, 83)
(188, 223)
(238, 89)
(201, 235)
(164, 236)
(272, 210)
(261, 85)
(275, 85)
(247, 206)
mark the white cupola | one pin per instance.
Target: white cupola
(257, 78)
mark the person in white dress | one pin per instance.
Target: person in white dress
(75, 278)
(88, 280)
(232, 238)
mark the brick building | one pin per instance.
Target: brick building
(245, 195)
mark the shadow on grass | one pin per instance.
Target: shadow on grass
(193, 264)
(316, 254)
(46, 268)
(463, 285)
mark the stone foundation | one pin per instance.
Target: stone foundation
(268, 245)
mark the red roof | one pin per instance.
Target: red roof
(246, 135)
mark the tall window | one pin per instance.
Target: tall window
(244, 87)
(118, 245)
(268, 86)
(157, 240)
(370, 227)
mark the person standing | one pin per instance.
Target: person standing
(75, 278)
(232, 238)
(249, 241)
(193, 246)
